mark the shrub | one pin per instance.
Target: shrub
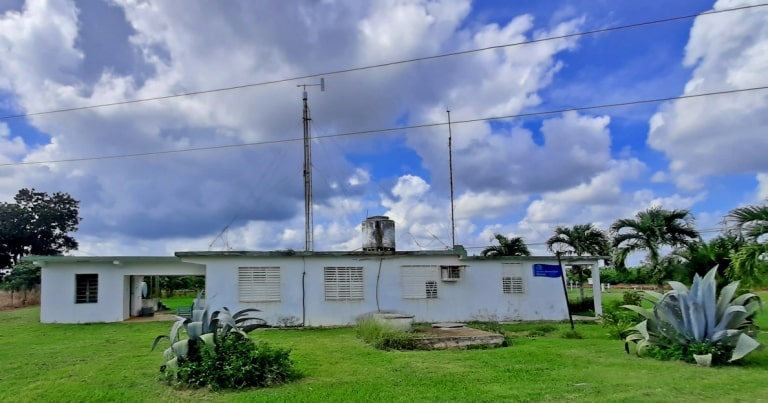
(609, 276)
(384, 337)
(720, 353)
(632, 297)
(695, 322)
(616, 319)
(236, 363)
(582, 305)
(630, 276)
(217, 352)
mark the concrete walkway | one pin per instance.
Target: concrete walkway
(586, 318)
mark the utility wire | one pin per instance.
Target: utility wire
(389, 129)
(389, 64)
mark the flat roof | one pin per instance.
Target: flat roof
(289, 253)
(286, 253)
(443, 252)
(564, 259)
(101, 259)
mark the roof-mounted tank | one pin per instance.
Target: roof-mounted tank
(378, 234)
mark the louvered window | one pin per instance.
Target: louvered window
(512, 285)
(512, 278)
(431, 289)
(87, 288)
(344, 283)
(258, 284)
(419, 281)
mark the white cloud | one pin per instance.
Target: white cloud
(39, 60)
(659, 177)
(492, 204)
(762, 187)
(158, 204)
(718, 134)
(422, 219)
(11, 148)
(360, 177)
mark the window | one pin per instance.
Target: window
(431, 289)
(512, 278)
(419, 281)
(344, 283)
(450, 273)
(86, 288)
(512, 285)
(258, 284)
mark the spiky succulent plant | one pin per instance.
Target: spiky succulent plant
(698, 317)
(204, 329)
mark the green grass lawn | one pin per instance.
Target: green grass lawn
(112, 362)
(178, 301)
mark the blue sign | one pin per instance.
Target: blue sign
(547, 270)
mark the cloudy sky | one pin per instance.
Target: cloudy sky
(517, 176)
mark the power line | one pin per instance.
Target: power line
(390, 129)
(388, 64)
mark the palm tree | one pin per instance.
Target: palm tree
(514, 246)
(698, 257)
(579, 240)
(649, 231)
(750, 223)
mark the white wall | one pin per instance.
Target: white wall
(58, 289)
(478, 295)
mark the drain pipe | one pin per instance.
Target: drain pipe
(304, 294)
(378, 276)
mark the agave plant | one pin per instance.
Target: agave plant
(204, 329)
(695, 317)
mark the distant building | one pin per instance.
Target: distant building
(317, 288)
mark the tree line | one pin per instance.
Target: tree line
(36, 223)
(740, 252)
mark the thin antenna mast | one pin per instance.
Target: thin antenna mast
(308, 220)
(450, 170)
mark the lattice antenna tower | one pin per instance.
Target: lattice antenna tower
(308, 220)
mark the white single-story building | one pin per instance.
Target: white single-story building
(80, 289)
(318, 288)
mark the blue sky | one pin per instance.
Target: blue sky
(519, 177)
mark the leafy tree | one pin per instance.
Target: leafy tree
(750, 262)
(513, 246)
(649, 231)
(579, 240)
(24, 277)
(695, 257)
(37, 223)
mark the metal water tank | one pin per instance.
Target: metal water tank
(378, 234)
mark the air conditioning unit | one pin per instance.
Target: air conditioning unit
(451, 273)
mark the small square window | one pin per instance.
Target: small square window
(512, 285)
(86, 288)
(431, 289)
(450, 273)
